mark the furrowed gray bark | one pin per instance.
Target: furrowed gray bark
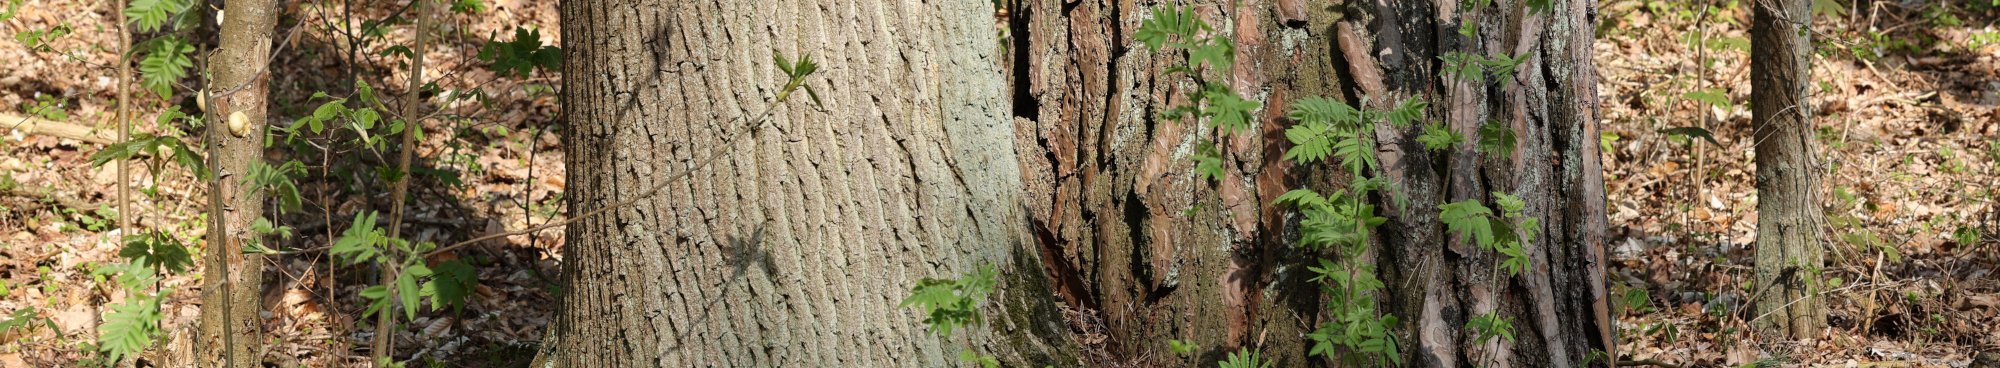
(795, 248)
(1790, 227)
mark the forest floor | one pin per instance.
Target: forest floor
(508, 165)
(1908, 109)
(1908, 121)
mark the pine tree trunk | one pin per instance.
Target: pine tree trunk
(797, 245)
(231, 280)
(1789, 235)
(1132, 232)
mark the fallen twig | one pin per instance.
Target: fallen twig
(35, 125)
(49, 196)
(1646, 362)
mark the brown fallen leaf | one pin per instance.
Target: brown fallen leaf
(1988, 301)
(12, 360)
(77, 318)
(1740, 353)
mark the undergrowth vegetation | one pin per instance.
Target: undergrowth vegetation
(344, 137)
(1903, 99)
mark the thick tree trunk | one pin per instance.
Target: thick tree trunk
(1162, 254)
(1128, 228)
(231, 280)
(795, 247)
(1789, 235)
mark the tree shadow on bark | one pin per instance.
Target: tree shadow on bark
(741, 253)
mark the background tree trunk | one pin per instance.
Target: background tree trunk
(796, 247)
(1128, 229)
(1131, 231)
(238, 86)
(1789, 231)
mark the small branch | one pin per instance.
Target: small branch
(124, 120)
(261, 69)
(46, 196)
(1875, 276)
(412, 102)
(35, 125)
(218, 220)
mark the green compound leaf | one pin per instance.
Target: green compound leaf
(1227, 110)
(157, 250)
(1407, 112)
(1692, 132)
(1323, 110)
(407, 293)
(129, 328)
(1491, 325)
(522, 55)
(1219, 53)
(1516, 258)
(1437, 137)
(1208, 162)
(150, 15)
(1713, 97)
(951, 304)
(1169, 22)
(452, 283)
(1496, 139)
(1310, 143)
(362, 241)
(1302, 199)
(1469, 219)
(1510, 205)
(166, 64)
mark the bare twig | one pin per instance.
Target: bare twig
(34, 125)
(218, 229)
(262, 68)
(46, 196)
(124, 121)
(332, 275)
(1700, 173)
(1868, 316)
(218, 236)
(384, 339)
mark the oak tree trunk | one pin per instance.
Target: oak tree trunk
(1789, 230)
(797, 245)
(232, 280)
(1130, 230)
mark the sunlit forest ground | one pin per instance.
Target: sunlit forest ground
(1907, 105)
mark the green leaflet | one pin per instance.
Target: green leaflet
(522, 55)
(1208, 161)
(1496, 139)
(1228, 111)
(1491, 325)
(950, 304)
(1168, 23)
(151, 15)
(1438, 138)
(165, 64)
(129, 328)
(1469, 219)
(1692, 132)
